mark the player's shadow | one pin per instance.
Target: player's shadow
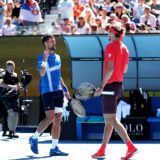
(30, 157)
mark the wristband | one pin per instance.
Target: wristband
(65, 89)
(44, 64)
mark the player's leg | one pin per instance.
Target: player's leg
(108, 129)
(48, 103)
(56, 130)
(117, 88)
(124, 135)
(56, 126)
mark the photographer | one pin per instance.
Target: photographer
(11, 98)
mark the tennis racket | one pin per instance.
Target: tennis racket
(77, 107)
(86, 90)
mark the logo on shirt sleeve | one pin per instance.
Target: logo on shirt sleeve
(109, 55)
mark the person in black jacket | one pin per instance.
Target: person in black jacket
(10, 82)
(3, 111)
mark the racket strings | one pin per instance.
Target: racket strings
(85, 91)
(77, 107)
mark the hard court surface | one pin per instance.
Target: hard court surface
(19, 149)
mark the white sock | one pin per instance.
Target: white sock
(36, 135)
(54, 143)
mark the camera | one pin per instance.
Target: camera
(25, 78)
(25, 105)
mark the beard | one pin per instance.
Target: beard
(52, 48)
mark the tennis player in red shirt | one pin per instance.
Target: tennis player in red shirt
(115, 65)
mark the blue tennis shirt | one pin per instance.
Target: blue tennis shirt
(51, 80)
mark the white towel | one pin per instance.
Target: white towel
(65, 112)
(123, 110)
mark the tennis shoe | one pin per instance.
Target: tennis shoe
(57, 152)
(34, 145)
(99, 155)
(130, 153)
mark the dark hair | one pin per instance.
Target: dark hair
(128, 27)
(120, 30)
(46, 37)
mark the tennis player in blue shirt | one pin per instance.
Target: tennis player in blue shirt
(52, 89)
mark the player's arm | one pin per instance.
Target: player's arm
(42, 70)
(126, 61)
(108, 74)
(65, 89)
(126, 68)
(2, 3)
(109, 59)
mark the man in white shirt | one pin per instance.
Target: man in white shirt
(148, 17)
(65, 8)
(8, 28)
(138, 10)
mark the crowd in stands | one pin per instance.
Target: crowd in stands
(81, 16)
(95, 16)
(17, 14)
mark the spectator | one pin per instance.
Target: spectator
(65, 8)
(109, 6)
(84, 2)
(93, 28)
(8, 28)
(15, 12)
(155, 8)
(158, 28)
(66, 26)
(2, 4)
(89, 15)
(146, 28)
(128, 24)
(149, 28)
(45, 6)
(100, 29)
(132, 2)
(82, 26)
(8, 9)
(138, 10)
(104, 17)
(78, 8)
(113, 19)
(148, 17)
(127, 7)
(158, 21)
(30, 13)
(119, 11)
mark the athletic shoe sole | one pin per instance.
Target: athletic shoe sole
(128, 157)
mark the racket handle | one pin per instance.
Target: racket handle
(108, 92)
